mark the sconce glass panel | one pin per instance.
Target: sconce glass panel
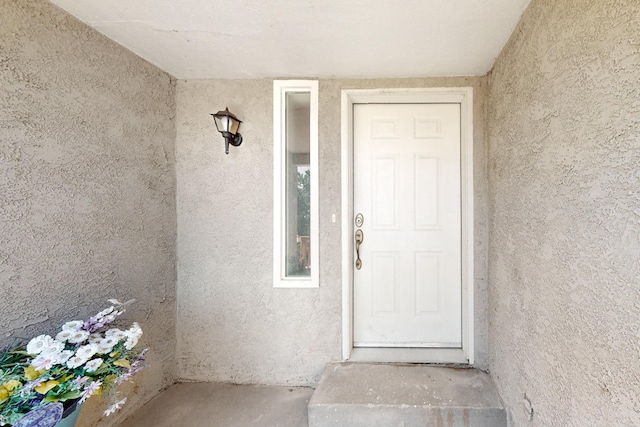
(296, 183)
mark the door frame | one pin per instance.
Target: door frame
(459, 95)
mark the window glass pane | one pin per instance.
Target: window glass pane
(298, 177)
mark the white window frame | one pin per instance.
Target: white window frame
(280, 90)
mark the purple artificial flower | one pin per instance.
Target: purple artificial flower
(100, 320)
(28, 387)
(89, 390)
(93, 324)
(136, 367)
(78, 383)
(89, 325)
(123, 378)
(126, 375)
(142, 354)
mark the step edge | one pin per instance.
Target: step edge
(403, 405)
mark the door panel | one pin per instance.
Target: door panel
(408, 292)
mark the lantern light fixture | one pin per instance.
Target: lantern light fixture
(227, 124)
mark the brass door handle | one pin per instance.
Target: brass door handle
(359, 239)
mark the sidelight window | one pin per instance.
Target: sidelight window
(295, 183)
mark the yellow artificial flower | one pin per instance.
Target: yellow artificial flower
(124, 363)
(31, 373)
(7, 388)
(45, 387)
(12, 385)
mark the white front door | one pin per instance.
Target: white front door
(407, 194)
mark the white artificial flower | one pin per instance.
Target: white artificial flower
(93, 365)
(116, 406)
(76, 361)
(39, 343)
(106, 344)
(87, 351)
(116, 333)
(63, 356)
(50, 356)
(53, 348)
(44, 362)
(73, 325)
(130, 343)
(135, 330)
(78, 337)
(64, 335)
(133, 334)
(95, 338)
(110, 318)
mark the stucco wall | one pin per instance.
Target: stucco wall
(564, 172)
(232, 324)
(87, 186)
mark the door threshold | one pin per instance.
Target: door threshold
(409, 355)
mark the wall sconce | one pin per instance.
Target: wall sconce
(227, 124)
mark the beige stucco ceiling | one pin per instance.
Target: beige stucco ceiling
(193, 39)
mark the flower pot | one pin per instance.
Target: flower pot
(70, 415)
(85, 358)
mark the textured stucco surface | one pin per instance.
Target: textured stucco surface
(87, 186)
(564, 172)
(232, 324)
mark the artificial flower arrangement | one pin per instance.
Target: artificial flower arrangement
(85, 358)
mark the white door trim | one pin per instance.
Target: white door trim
(464, 97)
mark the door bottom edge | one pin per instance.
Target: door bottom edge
(448, 345)
(409, 355)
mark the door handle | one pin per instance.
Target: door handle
(359, 239)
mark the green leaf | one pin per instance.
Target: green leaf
(70, 395)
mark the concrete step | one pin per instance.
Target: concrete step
(376, 395)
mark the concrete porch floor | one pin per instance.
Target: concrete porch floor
(224, 405)
(348, 394)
